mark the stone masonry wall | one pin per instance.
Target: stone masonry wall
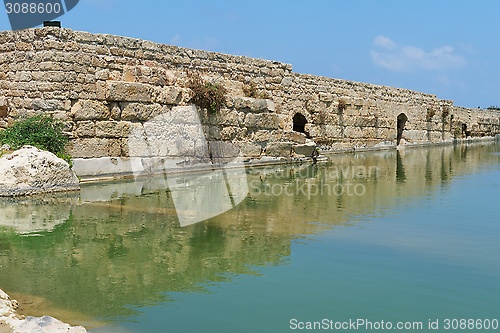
(106, 87)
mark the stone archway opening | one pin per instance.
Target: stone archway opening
(402, 119)
(299, 123)
(465, 132)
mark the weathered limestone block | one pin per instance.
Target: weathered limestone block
(169, 95)
(136, 145)
(112, 129)
(326, 97)
(279, 149)
(90, 110)
(130, 74)
(128, 92)
(47, 105)
(102, 74)
(22, 46)
(223, 152)
(247, 104)
(360, 121)
(213, 132)
(115, 110)
(287, 81)
(4, 110)
(326, 116)
(85, 128)
(484, 128)
(227, 118)
(182, 115)
(358, 102)
(291, 136)
(262, 120)
(140, 111)
(23, 76)
(30, 170)
(228, 133)
(251, 150)
(87, 94)
(94, 147)
(305, 149)
(421, 135)
(260, 136)
(387, 134)
(314, 130)
(355, 132)
(332, 131)
(387, 123)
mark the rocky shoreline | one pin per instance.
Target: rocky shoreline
(12, 322)
(30, 171)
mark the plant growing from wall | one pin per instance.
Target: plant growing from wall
(208, 95)
(457, 133)
(342, 104)
(430, 113)
(41, 131)
(251, 90)
(446, 112)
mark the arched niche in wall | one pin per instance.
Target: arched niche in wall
(402, 119)
(465, 131)
(299, 123)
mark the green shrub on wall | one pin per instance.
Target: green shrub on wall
(206, 94)
(41, 131)
(457, 133)
(431, 112)
(446, 112)
(342, 105)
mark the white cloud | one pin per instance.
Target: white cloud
(443, 80)
(400, 58)
(384, 42)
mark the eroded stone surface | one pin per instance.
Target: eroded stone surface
(29, 171)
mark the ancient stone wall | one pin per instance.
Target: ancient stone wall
(107, 87)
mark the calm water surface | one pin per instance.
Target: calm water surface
(394, 236)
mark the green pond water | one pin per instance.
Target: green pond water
(408, 237)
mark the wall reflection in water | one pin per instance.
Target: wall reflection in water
(119, 245)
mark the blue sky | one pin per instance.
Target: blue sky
(450, 48)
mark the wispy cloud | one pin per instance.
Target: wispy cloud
(176, 40)
(384, 42)
(400, 58)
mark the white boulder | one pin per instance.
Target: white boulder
(11, 322)
(30, 170)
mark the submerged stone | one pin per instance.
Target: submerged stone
(29, 171)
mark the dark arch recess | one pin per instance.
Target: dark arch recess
(402, 119)
(299, 123)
